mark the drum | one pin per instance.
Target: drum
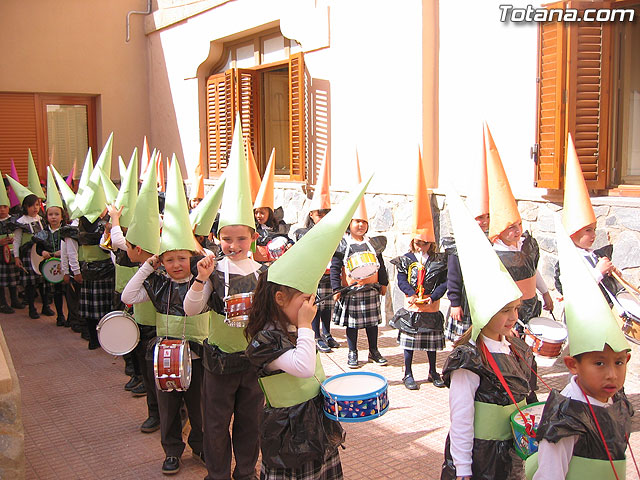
(545, 336)
(276, 248)
(355, 396)
(36, 259)
(237, 309)
(361, 265)
(51, 270)
(631, 325)
(172, 365)
(118, 333)
(7, 254)
(525, 444)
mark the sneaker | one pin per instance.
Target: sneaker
(133, 382)
(139, 391)
(352, 359)
(375, 356)
(6, 309)
(322, 346)
(436, 379)
(332, 342)
(150, 425)
(199, 457)
(171, 465)
(46, 310)
(60, 322)
(410, 383)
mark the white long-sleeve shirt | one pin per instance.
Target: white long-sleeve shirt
(299, 361)
(597, 274)
(69, 255)
(554, 458)
(17, 233)
(462, 392)
(499, 245)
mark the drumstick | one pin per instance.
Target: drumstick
(626, 284)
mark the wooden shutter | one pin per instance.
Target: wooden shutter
(19, 121)
(247, 104)
(549, 151)
(589, 51)
(298, 108)
(220, 111)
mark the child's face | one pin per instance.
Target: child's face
(194, 202)
(511, 234)
(290, 307)
(358, 228)
(421, 245)
(261, 214)
(502, 322)
(483, 221)
(585, 237)
(235, 240)
(33, 210)
(134, 253)
(317, 215)
(600, 374)
(4, 211)
(54, 216)
(177, 263)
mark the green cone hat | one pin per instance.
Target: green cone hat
(122, 167)
(4, 197)
(590, 321)
(87, 170)
(203, 216)
(237, 207)
(20, 190)
(34, 180)
(302, 266)
(93, 199)
(110, 190)
(176, 229)
(144, 229)
(53, 196)
(487, 282)
(104, 160)
(65, 190)
(128, 193)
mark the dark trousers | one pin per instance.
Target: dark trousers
(322, 315)
(170, 422)
(143, 365)
(72, 291)
(236, 394)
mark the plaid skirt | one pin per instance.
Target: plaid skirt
(429, 341)
(454, 330)
(28, 276)
(9, 274)
(96, 298)
(358, 310)
(330, 469)
(324, 290)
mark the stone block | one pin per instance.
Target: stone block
(546, 242)
(626, 253)
(403, 216)
(601, 210)
(627, 217)
(528, 211)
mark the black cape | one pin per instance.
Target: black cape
(524, 263)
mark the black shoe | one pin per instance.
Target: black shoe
(352, 359)
(133, 382)
(436, 379)
(374, 355)
(322, 346)
(150, 425)
(6, 309)
(67, 323)
(171, 465)
(18, 305)
(46, 310)
(332, 342)
(85, 335)
(76, 328)
(33, 313)
(139, 390)
(129, 370)
(199, 457)
(93, 346)
(410, 383)
(60, 322)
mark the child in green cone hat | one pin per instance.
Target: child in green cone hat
(9, 274)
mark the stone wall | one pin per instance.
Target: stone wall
(12, 463)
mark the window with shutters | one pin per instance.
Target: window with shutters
(588, 80)
(262, 79)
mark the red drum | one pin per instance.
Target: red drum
(7, 254)
(172, 365)
(237, 308)
(277, 247)
(545, 336)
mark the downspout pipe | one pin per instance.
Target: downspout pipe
(136, 12)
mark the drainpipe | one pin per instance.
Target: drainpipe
(136, 12)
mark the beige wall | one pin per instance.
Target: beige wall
(78, 47)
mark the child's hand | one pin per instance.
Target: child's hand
(412, 299)
(306, 313)
(605, 266)
(66, 278)
(46, 255)
(206, 266)
(154, 262)
(78, 278)
(548, 302)
(383, 290)
(456, 314)
(115, 213)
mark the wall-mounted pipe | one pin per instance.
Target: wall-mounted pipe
(136, 12)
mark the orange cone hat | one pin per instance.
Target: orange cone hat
(361, 211)
(321, 196)
(478, 199)
(422, 218)
(146, 158)
(254, 174)
(264, 198)
(197, 186)
(503, 208)
(161, 179)
(577, 212)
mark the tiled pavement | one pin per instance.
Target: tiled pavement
(81, 424)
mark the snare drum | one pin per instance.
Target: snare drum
(361, 265)
(355, 396)
(545, 336)
(51, 270)
(172, 365)
(276, 248)
(525, 444)
(237, 309)
(118, 333)
(631, 325)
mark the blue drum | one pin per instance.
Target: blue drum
(355, 396)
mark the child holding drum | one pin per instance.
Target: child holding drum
(489, 371)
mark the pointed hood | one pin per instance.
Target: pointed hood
(13, 198)
(53, 196)
(21, 191)
(65, 190)
(34, 180)
(69, 179)
(122, 167)
(577, 212)
(128, 193)
(503, 209)
(93, 200)
(203, 216)
(254, 174)
(361, 211)
(176, 229)
(146, 158)
(478, 199)
(197, 183)
(110, 190)
(487, 282)
(302, 266)
(237, 208)
(87, 170)
(321, 195)
(590, 322)
(161, 179)
(104, 160)
(265, 194)
(422, 218)
(4, 198)
(144, 229)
